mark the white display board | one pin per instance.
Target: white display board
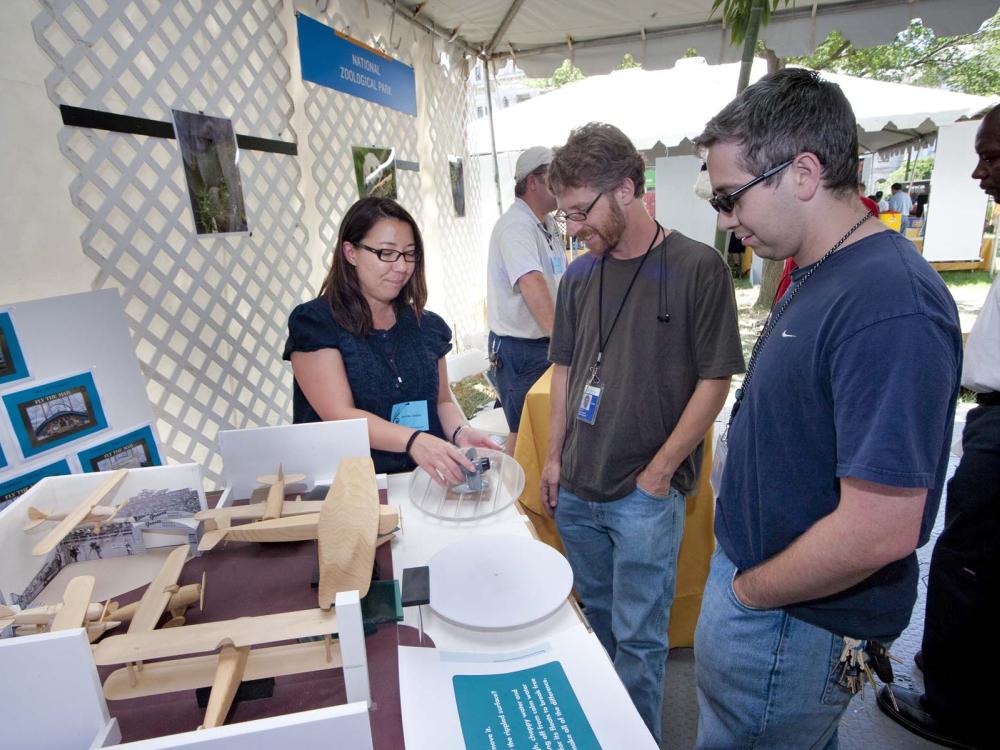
(314, 449)
(54, 699)
(78, 335)
(431, 718)
(957, 207)
(344, 726)
(61, 494)
(677, 206)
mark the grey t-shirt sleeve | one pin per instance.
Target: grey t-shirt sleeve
(571, 288)
(718, 352)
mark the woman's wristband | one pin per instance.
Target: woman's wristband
(409, 443)
(454, 435)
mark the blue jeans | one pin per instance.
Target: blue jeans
(624, 559)
(520, 362)
(765, 678)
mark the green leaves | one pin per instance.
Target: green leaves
(736, 15)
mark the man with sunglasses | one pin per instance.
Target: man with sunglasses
(525, 263)
(836, 449)
(644, 344)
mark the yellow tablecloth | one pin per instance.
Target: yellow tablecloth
(698, 541)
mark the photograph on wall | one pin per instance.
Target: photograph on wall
(12, 489)
(456, 171)
(375, 170)
(133, 450)
(49, 415)
(12, 365)
(211, 166)
(3, 458)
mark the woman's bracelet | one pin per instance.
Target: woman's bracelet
(409, 443)
(454, 435)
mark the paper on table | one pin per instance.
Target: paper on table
(431, 719)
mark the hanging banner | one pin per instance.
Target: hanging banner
(339, 62)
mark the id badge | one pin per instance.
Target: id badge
(719, 456)
(411, 414)
(589, 404)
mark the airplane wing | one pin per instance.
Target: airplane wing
(193, 672)
(79, 513)
(157, 595)
(291, 529)
(76, 602)
(255, 511)
(210, 636)
(348, 525)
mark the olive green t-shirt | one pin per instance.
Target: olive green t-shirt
(649, 368)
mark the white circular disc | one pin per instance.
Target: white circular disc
(498, 581)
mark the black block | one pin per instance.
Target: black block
(250, 690)
(416, 586)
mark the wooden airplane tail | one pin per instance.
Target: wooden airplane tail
(36, 517)
(6, 617)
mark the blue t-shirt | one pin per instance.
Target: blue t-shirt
(858, 379)
(375, 364)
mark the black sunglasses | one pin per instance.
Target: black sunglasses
(724, 203)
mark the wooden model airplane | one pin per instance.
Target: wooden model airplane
(347, 530)
(76, 610)
(90, 510)
(278, 520)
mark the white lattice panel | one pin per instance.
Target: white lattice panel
(207, 314)
(456, 247)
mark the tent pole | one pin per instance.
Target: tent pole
(746, 64)
(493, 136)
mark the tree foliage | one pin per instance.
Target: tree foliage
(736, 15)
(628, 62)
(968, 62)
(921, 167)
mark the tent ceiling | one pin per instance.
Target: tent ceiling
(596, 33)
(658, 108)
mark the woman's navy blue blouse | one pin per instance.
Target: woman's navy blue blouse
(383, 368)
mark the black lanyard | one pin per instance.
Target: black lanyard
(601, 339)
(772, 320)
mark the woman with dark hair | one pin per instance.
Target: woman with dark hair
(367, 348)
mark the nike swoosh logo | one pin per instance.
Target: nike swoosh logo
(786, 335)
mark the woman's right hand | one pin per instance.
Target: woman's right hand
(441, 460)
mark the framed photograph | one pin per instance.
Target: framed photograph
(133, 450)
(3, 458)
(456, 170)
(211, 166)
(12, 489)
(375, 170)
(55, 413)
(12, 365)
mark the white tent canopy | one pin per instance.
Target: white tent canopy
(668, 107)
(596, 33)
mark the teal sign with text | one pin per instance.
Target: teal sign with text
(336, 61)
(531, 709)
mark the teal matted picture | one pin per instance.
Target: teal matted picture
(530, 708)
(12, 366)
(133, 450)
(12, 489)
(3, 458)
(56, 413)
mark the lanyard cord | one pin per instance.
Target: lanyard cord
(772, 320)
(600, 300)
